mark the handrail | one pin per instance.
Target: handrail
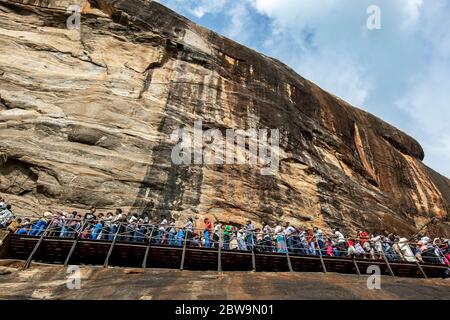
(128, 225)
(137, 232)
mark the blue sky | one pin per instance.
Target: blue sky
(401, 72)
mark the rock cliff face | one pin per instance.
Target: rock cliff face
(86, 118)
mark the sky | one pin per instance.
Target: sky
(399, 72)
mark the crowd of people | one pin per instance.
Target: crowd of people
(278, 237)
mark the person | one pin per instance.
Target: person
(116, 224)
(227, 237)
(425, 240)
(336, 250)
(14, 225)
(208, 232)
(6, 216)
(96, 233)
(396, 249)
(441, 248)
(216, 235)
(363, 236)
(89, 217)
(65, 227)
(259, 245)
(405, 249)
(25, 227)
(162, 229)
(180, 237)
(234, 244)
(351, 250)
(107, 226)
(319, 237)
(279, 236)
(369, 253)
(340, 240)
(359, 251)
(154, 230)
(303, 244)
(289, 236)
(429, 254)
(329, 248)
(41, 224)
(387, 247)
(172, 232)
(75, 225)
(139, 230)
(267, 237)
(240, 237)
(195, 241)
(189, 229)
(250, 235)
(87, 232)
(310, 239)
(378, 246)
(420, 247)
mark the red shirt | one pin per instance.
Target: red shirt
(364, 237)
(208, 225)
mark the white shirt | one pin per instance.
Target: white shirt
(162, 225)
(5, 216)
(117, 218)
(189, 226)
(278, 229)
(289, 230)
(340, 236)
(425, 240)
(267, 229)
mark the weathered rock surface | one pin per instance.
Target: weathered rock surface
(50, 282)
(86, 117)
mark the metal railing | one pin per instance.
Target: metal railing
(229, 239)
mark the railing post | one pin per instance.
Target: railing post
(147, 250)
(253, 257)
(183, 255)
(324, 269)
(420, 268)
(36, 247)
(356, 265)
(387, 262)
(219, 252)
(287, 254)
(72, 249)
(105, 265)
(253, 261)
